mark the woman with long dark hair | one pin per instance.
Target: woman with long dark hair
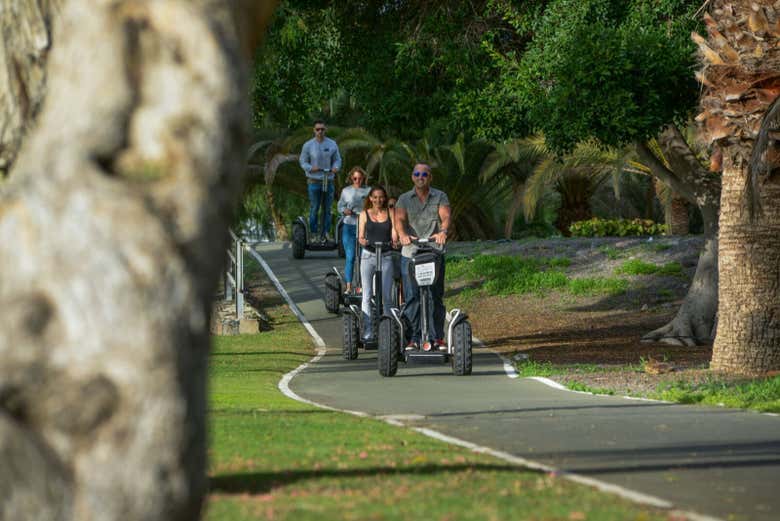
(375, 225)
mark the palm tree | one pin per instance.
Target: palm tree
(456, 167)
(740, 86)
(509, 165)
(575, 176)
(268, 157)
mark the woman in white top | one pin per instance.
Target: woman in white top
(350, 205)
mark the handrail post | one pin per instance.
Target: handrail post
(239, 279)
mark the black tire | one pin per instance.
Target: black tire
(351, 336)
(461, 348)
(332, 293)
(298, 241)
(387, 354)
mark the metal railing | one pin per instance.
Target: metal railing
(234, 274)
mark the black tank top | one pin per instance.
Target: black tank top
(377, 231)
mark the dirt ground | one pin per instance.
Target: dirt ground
(595, 332)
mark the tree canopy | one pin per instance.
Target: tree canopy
(614, 70)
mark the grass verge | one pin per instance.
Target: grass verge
(510, 275)
(276, 458)
(760, 395)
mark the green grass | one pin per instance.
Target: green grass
(639, 267)
(514, 275)
(579, 386)
(275, 458)
(598, 286)
(611, 252)
(759, 395)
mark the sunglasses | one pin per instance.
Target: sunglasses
(319, 130)
(421, 174)
(391, 206)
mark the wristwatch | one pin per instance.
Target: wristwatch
(444, 231)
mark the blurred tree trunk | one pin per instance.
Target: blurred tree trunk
(741, 80)
(112, 228)
(24, 50)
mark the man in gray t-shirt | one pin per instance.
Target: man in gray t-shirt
(423, 212)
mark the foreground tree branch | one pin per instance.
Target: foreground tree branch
(112, 229)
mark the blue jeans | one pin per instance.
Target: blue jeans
(315, 196)
(436, 311)
(348, 234)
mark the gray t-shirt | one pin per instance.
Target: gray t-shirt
(422, 218)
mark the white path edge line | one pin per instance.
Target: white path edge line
(631, 495)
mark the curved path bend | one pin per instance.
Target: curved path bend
(717, 463)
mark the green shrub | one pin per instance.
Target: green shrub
(615, 227)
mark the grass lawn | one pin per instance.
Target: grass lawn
(275, 458)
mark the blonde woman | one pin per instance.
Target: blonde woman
(350, 204)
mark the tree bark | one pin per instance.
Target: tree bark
(112, 228)
(695, 320)
(514, 208)
(748, 335)
(741, 80)
(676, 214)
(24, 50)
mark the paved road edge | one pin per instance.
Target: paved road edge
(284, 387)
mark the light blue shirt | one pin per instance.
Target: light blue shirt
(352, 198)
(324, 155)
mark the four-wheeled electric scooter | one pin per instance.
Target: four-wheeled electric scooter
(334, 282)
(425, 267)
(302, 239)
(353, 322)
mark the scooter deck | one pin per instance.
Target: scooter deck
(426, 357)
(322, 246)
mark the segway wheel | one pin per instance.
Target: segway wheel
(461, 349)
(298, 241)
(332, 293)
(387, 354)
(351, 335)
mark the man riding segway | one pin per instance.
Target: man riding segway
(415, 332)
(423, 212)
(320, 160)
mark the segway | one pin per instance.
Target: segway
(352, 319)
(303, 240)
(425, 267)
(334, 282)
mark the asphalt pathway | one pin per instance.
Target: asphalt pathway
(717, 462)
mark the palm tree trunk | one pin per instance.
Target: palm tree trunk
(279, 228)
(740, 78)
(514, 208)
(676, 214)
(748, 334)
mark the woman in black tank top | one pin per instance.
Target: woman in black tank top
(375, 225)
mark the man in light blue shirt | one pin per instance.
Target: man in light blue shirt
(319, 157)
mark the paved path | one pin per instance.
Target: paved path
(715, 462)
